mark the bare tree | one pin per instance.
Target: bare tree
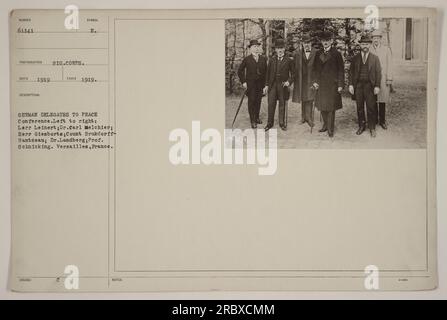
(243, 38)
(264, 26)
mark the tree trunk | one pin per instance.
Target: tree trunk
(388, 27)
(347, 37)
(233, 57)
(243, 38)
(265, 27)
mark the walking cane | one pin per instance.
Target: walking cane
(238, 108)
(312, 116)
(312, 112)
(286, 103)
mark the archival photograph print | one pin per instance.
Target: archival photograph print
(329, 83)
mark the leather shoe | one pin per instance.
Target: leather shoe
(360, 131)
(284, 128)
(259, 121)
(254, 125)
(373, 133)
(384, 125)
(322, 129)
(267, 128)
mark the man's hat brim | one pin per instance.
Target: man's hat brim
(326, 36)
(254, 43)
(279, 44)
(306, 39)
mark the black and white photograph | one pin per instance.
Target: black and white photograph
(329, 83)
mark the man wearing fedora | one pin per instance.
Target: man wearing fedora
(279, 78)
(252, 73)
(303, 89)
(329, 78)
(364, 84)
(386, 62)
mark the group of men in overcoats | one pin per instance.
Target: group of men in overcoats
(318, 78)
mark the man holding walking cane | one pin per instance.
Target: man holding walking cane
(252, 72)
(329, 80)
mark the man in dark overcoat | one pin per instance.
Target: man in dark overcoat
(252, 73)
(329, 80)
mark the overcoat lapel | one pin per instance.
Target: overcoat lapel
(281, 63)
(275, 64)
(358, 62)
(253, 58)
(370, 62)
(311, 57)
(325, 57)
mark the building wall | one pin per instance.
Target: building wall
(408, 39)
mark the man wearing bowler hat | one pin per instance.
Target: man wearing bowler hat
(303, 89)
(364, 83)
(279, 78)
(386, 62)
(329, 75)
(252, 73)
